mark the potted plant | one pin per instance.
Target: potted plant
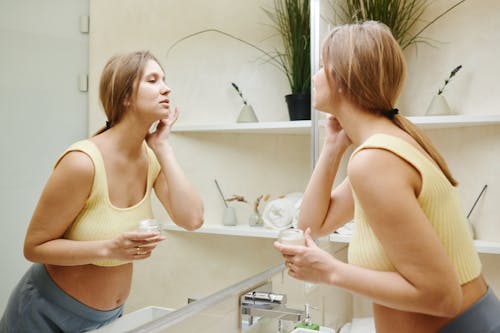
(401, 16)
(291, 20)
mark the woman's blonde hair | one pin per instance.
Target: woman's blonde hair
(119, 81)
(367, 64)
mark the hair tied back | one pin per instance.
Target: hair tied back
(392, 113)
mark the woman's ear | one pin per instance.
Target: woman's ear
(126, 102)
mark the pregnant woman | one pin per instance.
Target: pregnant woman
(83, 236)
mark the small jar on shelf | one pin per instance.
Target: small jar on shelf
(255, 220)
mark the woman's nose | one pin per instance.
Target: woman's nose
(165, 89)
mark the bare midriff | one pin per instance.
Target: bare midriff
(389, 320)
(98, 287)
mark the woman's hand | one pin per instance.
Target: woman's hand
(309, 262)
(162, 131)
(133, 245)
(335, 134)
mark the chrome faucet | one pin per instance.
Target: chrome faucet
(268, 304)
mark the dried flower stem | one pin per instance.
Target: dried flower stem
(239, 92)
(258, 201)
(452, 74)
(236, 197)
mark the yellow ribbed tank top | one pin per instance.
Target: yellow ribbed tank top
(441, 204)
(99, 219)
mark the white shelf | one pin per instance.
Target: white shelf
(237, 230)
(454, 121)
(431, 122)
(303, 127)
(280, 127)
(487, 246)
(481, 245)
(261, 232)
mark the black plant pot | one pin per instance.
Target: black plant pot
(299, 106)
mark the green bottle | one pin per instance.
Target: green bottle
(313, 327)
(306, 323)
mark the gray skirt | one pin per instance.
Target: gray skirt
(482, 317)
(37, 304)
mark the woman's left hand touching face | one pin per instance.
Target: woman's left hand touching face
(309, 262)
(162, 131)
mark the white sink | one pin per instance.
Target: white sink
(134, 319)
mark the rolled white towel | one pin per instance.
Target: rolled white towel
(278, 214)
(296, 200)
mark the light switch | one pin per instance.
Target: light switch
(84, 23)
(83, 82)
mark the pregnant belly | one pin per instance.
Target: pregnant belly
(98, 287)
(389, 320)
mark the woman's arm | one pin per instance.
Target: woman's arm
(425, 280)
(322, 209)
(62, 199)
(172, 187)
(174, 191)
(387, 188)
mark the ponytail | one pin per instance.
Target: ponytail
(422, 139)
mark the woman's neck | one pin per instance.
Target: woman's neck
(126, 137)
(360, 124)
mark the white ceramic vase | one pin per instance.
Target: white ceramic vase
(438, 107)
(247, 115)
(255, 220)
(229, 218)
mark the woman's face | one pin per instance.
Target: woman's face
(152, 92)
(324, 99)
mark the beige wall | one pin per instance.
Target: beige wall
(200, 72)
(200, 69)
(466, 36)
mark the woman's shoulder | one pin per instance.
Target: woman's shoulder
(78, 158)
(74, 170)
(77, 161)
(367, 163)
(382, 169)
